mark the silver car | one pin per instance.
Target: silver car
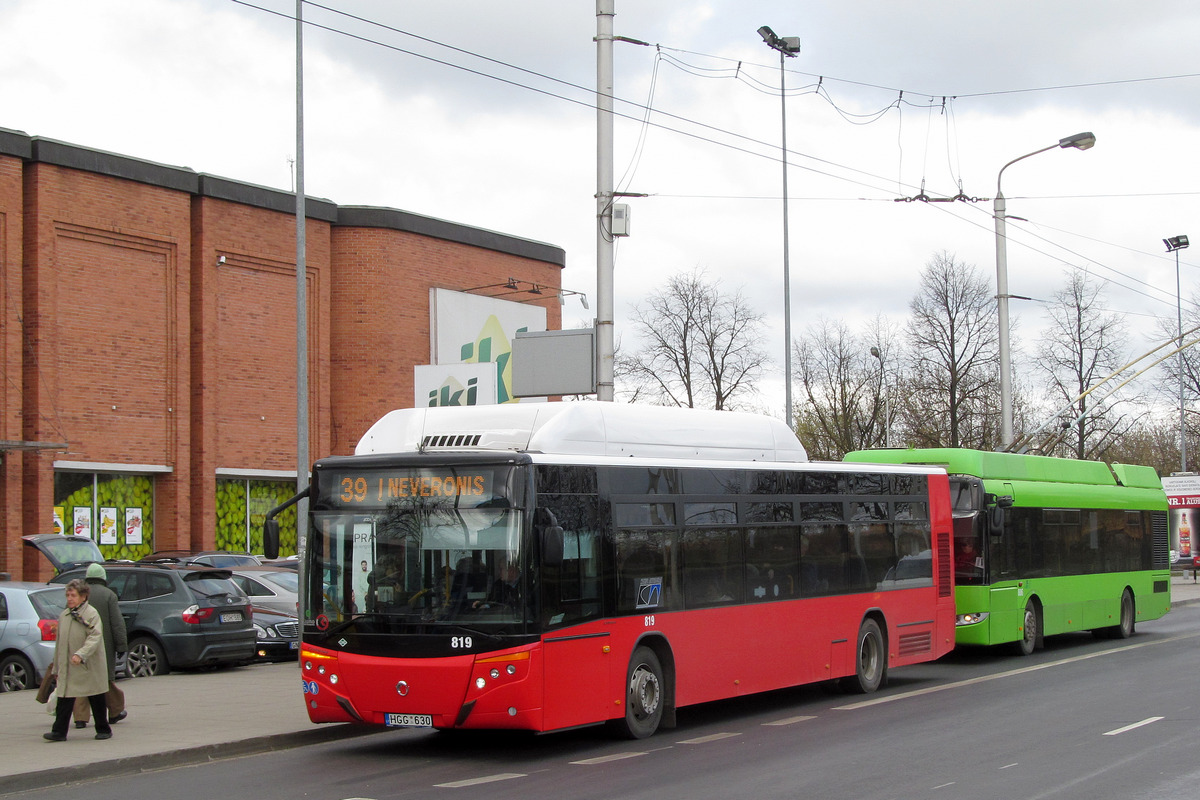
(28, 627)
(269, 587)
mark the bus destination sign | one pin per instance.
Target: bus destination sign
(373, 488)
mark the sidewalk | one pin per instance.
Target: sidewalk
(174, 719)
(193, 717)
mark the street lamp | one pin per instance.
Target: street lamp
(787, 46)
(887, 401)
(1174, 245)
(1080, 141)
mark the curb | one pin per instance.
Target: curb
(129, 765)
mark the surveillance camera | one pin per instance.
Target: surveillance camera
(220, 260)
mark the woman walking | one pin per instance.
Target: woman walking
(80, 663)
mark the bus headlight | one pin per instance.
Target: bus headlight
(971, 619)
(480, 683)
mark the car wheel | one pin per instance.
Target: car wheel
(16, 673)
(146, 658)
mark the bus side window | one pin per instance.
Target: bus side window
(643, 577)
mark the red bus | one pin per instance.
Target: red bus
(554, 565)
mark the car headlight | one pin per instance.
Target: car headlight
(260, 631)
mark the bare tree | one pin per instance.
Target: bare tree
(845, 380)
(953, 358)
(1082, 347)
(700, 347)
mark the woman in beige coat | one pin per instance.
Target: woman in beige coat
(79, 663)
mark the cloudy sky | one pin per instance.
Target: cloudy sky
(479, 112)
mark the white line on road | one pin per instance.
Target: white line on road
(1146, 721)
(985, 678)
(790, 720)
(710, 738)
(503, 776)
(606, 759)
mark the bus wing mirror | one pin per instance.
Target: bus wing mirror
(271, 524)
(271, 538)
(552, 545)
(995, 507)
(996, 521)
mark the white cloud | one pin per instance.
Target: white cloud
(209, 84)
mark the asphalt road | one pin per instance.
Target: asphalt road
(1084, 718)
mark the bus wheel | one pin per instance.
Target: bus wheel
(1028, 642)
(1124, 629)
(644, 696)
(871, 668)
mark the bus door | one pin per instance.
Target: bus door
(578, 652)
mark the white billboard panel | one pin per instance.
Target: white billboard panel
(469, 329)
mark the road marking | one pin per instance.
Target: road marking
(606, 759)
(503, 776)
(1006, 766)
(944, 785)
(1021, 671)
(790, 720)
(1119, 731)
(710, 738)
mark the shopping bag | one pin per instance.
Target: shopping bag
(46, 689)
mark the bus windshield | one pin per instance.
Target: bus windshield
(969, 543)
(409, 560)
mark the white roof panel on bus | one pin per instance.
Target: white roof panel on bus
(586, 428)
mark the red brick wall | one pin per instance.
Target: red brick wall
(123, 336)
(244, 362)
(379, 315)
(11, 216)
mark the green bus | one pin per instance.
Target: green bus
(1048, 545)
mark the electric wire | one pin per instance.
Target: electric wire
(744, 77)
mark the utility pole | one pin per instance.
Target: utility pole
(605, 347)
(302, 461)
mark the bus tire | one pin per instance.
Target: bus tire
(1030, 630)
(870, 671)
(645, 694)
(1124, 629)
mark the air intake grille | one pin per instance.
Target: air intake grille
(913, 643)
(451, 440)
(945, 565)
(1161, 541)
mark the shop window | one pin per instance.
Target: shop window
(114, 510)
(242, 506)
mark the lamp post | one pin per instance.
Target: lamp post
(787, 46)
(1080, 141)
(887, 400)
(1174, 245)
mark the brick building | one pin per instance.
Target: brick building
(148, 341)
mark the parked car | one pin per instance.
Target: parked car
(278, 634)
(179, 616)
(28, 627)
(64, 551)
(269, 587)
(209, 558)
(286, 562)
